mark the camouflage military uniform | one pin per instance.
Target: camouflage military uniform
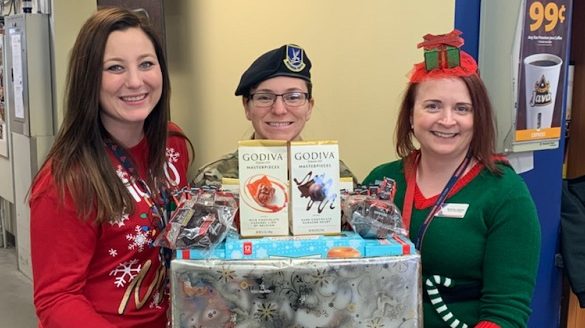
(227, 167)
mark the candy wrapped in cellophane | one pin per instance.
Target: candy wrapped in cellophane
(371, 212)
(202, 219)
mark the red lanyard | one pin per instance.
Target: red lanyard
(409, 197)
(125, 160)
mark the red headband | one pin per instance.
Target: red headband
(443, 58)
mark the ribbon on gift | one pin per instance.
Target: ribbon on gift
(443, 58)
(442, 51)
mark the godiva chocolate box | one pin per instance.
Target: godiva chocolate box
(366, 292)
(314, 187)
(263, 188)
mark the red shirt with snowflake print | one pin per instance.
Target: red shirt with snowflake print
(100, 275)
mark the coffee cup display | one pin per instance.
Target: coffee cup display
(541, 81)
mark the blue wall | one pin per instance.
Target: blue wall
(544, 182)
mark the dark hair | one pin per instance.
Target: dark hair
(483, 141)
(78, 159)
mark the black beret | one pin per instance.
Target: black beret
(288, 60)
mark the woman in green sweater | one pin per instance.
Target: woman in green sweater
(470, 215)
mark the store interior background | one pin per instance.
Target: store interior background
(361, 54)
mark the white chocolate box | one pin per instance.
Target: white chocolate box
(314, 187)
(263, 188)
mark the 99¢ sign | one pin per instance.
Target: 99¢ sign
(550, 15)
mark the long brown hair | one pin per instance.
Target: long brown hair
(79, 162)
(483, 143)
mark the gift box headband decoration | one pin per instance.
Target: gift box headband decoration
(443, 58)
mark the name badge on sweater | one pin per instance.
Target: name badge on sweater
(453, 210)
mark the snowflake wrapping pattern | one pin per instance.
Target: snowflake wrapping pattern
(381, 292)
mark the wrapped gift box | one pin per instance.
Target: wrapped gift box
(393, 245)
(365, 292)
(446, 56)
(314, 246)
(348, 244)
(200, 254)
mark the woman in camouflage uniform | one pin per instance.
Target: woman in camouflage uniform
(283, 72)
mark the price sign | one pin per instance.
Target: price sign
(546, 15)
(541, 67)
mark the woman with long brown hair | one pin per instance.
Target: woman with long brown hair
(101, 197)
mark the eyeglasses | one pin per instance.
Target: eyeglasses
(291, 99)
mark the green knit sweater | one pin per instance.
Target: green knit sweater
(496, 243)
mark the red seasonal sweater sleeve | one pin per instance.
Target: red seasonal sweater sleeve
(62, 246)
(178, 155)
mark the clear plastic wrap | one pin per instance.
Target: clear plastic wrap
(371, 211)
(201, 220)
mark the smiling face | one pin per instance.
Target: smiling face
(442, 118)
(279, 121)
(131, 82)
